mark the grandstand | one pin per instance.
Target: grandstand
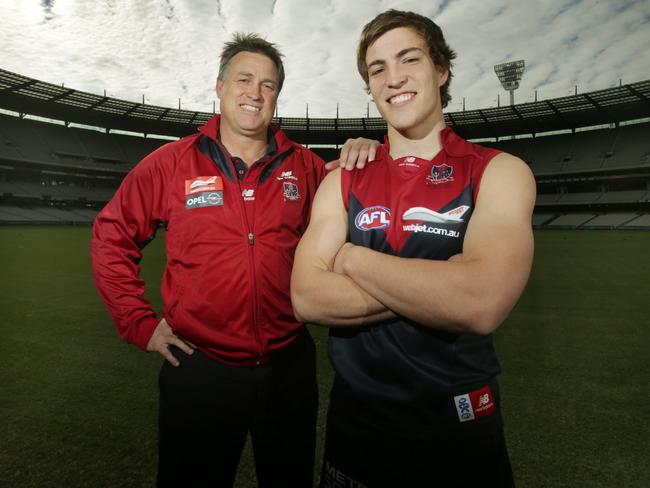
(590, 152)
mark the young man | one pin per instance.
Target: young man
(440, 249)
(234, 199)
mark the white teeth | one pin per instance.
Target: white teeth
(401, 98)
(250, 108)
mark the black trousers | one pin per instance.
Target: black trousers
(207, 409)
(358, 454)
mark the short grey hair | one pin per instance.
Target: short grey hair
(252, 43)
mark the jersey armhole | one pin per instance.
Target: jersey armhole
(346, 183)
(477, 174)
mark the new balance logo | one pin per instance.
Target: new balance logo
(483, 400)
(287, 175)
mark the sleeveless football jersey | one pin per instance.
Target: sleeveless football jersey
(413, 208)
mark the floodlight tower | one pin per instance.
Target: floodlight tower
(509, 75)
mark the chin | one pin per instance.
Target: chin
(401, 123)
(252, 122)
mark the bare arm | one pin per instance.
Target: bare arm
(318, 293)
(476, 292)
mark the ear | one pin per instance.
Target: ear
(219, 87)
(443, 75)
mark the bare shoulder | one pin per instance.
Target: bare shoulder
(507, 164)
(507, 187)
(328, 197)
(508, 174)
(331, 183)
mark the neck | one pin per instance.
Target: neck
(249, 148)
(421, 143)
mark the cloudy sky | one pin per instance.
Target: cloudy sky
(168, 49)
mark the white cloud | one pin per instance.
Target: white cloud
(168, 49)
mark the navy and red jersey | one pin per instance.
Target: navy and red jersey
(229, 242)
(413, 208)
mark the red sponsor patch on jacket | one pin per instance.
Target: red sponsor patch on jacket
(203, 183)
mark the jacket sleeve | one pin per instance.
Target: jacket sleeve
(319, 168)
(120, 232)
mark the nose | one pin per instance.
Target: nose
(396, 77)
(254, 91)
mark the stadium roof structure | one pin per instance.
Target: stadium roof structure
(30, 96)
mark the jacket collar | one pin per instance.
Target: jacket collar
(278, 142)
(278, 148)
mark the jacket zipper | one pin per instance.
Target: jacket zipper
(251, 250)
(248, 230)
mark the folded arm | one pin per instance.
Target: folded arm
(475, 292)
(319, 294)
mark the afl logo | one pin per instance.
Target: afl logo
(373, 218)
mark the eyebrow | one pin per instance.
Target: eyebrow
(400, 54)
(246, 74)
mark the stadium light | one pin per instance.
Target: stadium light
(509, 75)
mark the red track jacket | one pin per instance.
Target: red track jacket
(230, 244)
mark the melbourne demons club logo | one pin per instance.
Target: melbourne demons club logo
(441, 173)
(373, 218)
(291, 192)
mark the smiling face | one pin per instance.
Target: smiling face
(248, 92)
(404, 82)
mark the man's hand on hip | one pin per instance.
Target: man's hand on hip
(163, 337)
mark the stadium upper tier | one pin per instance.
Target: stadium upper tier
(30, 96)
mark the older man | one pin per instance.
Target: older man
(235, 199)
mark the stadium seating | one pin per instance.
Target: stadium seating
(641, 222)
(135, 148)
(548, 154)
(587, 197)
(570, 221)
(631, 196)
(33, 141)
(632, 147)
(8, 149)
(590, 149)
(548, 198)
(44, 215)
(61, 139)
(10, 214)
(587, 178)
(539, 219)
(627, 146)
(27, 142)
(611, 220)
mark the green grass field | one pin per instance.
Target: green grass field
(79, 406)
